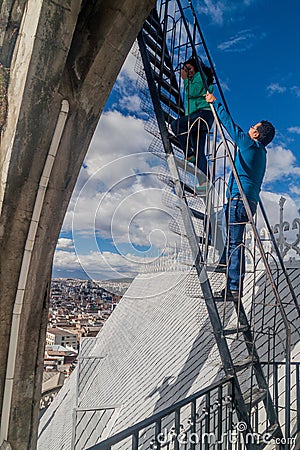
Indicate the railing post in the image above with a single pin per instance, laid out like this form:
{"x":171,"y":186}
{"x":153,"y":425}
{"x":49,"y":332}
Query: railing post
{"x":193,"y":423}
{"x":135,"y":441}
{"x":219,"y":417}
{"x":157,"y":433}
{"x":177,"y":429}
{"x":275,"y":387}
{"x":298,"y":395}
{"x":230,"y":414}
{"x":207,"y":420}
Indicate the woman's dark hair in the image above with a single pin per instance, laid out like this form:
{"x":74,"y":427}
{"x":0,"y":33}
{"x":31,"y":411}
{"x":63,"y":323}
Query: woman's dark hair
{"x":205,"y":69}
{"x":208,"y":72}
{"x":193,"y":62}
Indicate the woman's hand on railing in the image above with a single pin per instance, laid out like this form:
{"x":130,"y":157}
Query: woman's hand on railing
{"x":210,"y":98}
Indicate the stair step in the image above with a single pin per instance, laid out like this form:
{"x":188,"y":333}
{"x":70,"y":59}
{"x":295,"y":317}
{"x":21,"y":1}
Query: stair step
{"x":189,"y":168}
{"x":197,"y":214}
{"x":169,"y":182}
{"x":175,"y":228}
{"x":169,"y":87}
{"x":153,"y":27}
{"x":161,"y":71}
{"x":188,"y":188}
{"x":154,"y":38}
{"x":153,"y":45}
{"x":173,"y":139}
{"x":239,"y":329}
{"x":155,"y":60}
{"x":169,"y":117}
{"x":254,"y":397}
{"x":170,"y":104}
{"x":244,"y":363}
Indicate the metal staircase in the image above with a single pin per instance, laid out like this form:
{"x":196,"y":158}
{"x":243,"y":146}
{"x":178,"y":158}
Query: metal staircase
{"x":169,"y":36}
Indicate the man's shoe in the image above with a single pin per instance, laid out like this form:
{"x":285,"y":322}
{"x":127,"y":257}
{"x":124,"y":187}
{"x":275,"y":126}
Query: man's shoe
{"x":228,"y":295}
{"x":232,"y":295}
{"x":221,"y":268}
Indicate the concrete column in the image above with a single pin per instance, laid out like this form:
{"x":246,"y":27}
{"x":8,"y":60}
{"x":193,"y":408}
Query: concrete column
{"x":67,"y":49}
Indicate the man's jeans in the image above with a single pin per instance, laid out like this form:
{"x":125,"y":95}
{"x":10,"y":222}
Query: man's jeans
{"x":197,"y":135}
{"x":237,"y":219}
{"x":230,"y":246}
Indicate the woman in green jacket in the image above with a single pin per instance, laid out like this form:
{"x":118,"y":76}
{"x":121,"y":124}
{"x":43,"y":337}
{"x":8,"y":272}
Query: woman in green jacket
{"x":191,"y":133}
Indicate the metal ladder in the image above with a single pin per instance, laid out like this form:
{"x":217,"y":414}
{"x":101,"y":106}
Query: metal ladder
{"x":171,"y":33}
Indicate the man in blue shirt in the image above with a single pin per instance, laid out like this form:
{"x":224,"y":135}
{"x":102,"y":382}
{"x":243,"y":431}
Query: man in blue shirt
{"x":250,"y":164}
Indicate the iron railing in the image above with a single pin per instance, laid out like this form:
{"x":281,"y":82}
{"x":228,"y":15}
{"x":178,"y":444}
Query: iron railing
{"x":207,"y":419}
{"x":201,"y":419}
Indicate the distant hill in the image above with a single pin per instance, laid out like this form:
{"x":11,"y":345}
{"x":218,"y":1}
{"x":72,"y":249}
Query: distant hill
{"x":118,"y":280}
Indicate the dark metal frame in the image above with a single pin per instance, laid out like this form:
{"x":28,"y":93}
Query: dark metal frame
{"x":223,"y":416}
{"x":224,"y":409}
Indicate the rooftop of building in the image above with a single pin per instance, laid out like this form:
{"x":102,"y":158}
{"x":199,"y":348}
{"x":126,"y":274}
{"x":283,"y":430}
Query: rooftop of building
{"x":60,"y":331}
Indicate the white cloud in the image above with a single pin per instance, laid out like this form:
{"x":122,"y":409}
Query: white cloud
{"x":128,"y":69}
{"x":295,"y":190}
{"x":128,"y":97}
{"x":101,"y":265}
{"x":96,"y":264}
{"x":65,"y":243}
{"x":64,"y":260}
{"x":130,"y":102}
{"x":242,"y":41}
{"x":225,"y":86}
{"x":107,"y":166}
{"x":126,"y":215}
{"x":275,"y":88}
{"x":271,"y":204}
{"x":231,"y":44}
{"x":295,"y":130}
{"x":118,"y":195}
{"x":116,"y":135}
{"x":281,"y":164}
{"x":110,"y":265}
{"x":218,"y":11}
{"x":295,"y":90}
{"x":215,"y":10}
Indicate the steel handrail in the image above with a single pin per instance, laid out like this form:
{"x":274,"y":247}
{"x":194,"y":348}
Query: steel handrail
{"x":134,"y":429}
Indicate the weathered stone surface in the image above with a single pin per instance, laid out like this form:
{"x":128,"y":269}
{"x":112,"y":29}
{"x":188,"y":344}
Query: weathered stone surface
{"x":64,"y":50}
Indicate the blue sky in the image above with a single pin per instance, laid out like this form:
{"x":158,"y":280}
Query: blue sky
{"x":117,"y":221}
